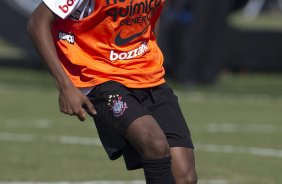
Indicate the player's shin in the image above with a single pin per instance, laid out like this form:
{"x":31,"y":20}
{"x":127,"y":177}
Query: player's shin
{"x":158,"y":171}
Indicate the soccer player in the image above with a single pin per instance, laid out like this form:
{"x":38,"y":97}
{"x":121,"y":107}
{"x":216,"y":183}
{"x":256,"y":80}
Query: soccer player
{"x":105,"y":60}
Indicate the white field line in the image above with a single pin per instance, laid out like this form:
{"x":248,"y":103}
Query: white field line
{"x":36,"y":123}
{"x":242,"y":128}
{"x":216,"y":98}
{"x":76,"y":140}
{"x":4,"y":136}
{"x":264,"y":152}
{"x":107,"y":182}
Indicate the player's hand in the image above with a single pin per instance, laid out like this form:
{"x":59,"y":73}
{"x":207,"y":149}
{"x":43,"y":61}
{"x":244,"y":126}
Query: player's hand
{"x":72,"y":101}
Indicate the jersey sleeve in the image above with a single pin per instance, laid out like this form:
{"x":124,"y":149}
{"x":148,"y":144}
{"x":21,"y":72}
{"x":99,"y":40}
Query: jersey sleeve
{"x":63,"y":8}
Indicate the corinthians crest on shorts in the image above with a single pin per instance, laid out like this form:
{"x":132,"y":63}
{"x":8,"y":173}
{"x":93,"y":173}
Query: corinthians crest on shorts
{"x":117,"y":106}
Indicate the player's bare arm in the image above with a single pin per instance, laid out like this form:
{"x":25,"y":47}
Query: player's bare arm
{"x":71,"y":99}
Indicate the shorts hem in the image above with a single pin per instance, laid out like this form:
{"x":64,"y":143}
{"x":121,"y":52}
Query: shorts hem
{"x":181,"y":144}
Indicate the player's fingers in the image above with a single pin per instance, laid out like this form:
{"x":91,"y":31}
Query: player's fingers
{"x":90,"y":107}
{"x":63,"y":106}
{"x":66,"y":108}
{"x":81,"y":115}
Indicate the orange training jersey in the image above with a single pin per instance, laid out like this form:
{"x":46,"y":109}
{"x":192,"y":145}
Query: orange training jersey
{"x":115,"y":42}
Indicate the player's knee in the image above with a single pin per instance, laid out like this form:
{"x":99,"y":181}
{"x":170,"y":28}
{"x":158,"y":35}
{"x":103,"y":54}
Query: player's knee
{"x":191,"y":179}
{"x":156,"y":148}
{"x":187,"y":178}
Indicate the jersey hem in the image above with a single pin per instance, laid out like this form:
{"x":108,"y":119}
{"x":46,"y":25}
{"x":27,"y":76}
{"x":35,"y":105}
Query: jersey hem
{"x":129,"y":85}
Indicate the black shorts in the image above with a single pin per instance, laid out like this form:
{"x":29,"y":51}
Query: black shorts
{"x":118,"y":106}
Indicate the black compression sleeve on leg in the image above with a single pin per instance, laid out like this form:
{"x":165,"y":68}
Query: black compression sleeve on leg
{"x":158,"y":171}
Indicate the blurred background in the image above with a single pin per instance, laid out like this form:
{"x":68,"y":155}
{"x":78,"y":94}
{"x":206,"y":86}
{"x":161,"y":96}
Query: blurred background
{"x":222,"y":57}
{"x":203,"y":38}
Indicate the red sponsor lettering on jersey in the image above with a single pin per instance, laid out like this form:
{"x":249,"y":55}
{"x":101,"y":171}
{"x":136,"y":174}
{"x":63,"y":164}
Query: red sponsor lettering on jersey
{"x":65,"y":7}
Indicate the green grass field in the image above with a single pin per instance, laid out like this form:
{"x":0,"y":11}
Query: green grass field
{"x":236,"y":127}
